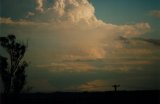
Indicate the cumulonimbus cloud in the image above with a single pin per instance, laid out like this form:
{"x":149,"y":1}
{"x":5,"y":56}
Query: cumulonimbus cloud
{"x":71,"y":25}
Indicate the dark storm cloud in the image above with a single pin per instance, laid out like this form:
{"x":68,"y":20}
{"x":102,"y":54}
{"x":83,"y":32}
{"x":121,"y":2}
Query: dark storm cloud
{"x":155,"y":42}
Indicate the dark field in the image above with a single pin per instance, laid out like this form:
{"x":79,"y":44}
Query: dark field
{"x":122,"y":97}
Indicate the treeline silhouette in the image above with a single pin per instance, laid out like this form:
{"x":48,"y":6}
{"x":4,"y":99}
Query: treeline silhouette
{"x":112,"y":97}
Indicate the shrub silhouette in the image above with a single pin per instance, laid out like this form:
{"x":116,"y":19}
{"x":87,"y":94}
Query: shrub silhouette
{"x":13,"y":70}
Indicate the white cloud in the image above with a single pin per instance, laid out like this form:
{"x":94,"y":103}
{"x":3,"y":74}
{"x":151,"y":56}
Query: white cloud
{"x":39,"y":5}
{"x":73,"y":10}
{"x":30,"y":14}
{"x":59,"y":7}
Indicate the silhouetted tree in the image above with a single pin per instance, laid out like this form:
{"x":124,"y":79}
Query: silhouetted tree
{"x":13,"y":70}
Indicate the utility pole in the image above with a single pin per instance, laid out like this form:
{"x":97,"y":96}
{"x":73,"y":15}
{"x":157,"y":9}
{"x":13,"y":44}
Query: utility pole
{"x":115,"y":87}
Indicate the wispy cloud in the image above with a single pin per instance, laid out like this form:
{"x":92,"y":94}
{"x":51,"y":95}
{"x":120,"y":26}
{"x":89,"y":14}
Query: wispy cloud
{"x":6,"y":21}
{"x":21,"y":22}
{"x":155,"y":13}
{"x":95,"y":85}
{"x":30,"y":14}
{"x":68,"y":67}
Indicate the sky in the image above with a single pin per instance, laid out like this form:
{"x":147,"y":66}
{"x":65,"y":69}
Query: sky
{"x":86,"y":45}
